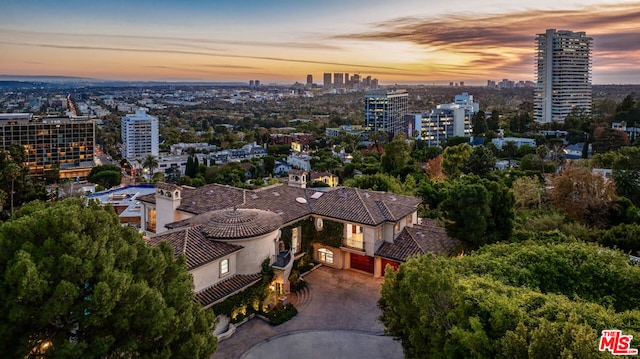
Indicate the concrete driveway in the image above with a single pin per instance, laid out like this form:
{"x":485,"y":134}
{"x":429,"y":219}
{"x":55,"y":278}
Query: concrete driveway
{"x":338,"y":320}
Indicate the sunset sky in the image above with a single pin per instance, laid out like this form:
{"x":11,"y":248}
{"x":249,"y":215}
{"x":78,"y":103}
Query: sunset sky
{"x":402,"y":41}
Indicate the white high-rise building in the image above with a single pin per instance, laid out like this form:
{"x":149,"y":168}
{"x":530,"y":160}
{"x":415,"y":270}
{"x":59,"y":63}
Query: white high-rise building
{"x":564,"y":74}
{"x":449,"y":119}
{"x":139,"y":135}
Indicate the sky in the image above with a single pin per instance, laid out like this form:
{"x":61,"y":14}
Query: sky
{"x":400,"y":41}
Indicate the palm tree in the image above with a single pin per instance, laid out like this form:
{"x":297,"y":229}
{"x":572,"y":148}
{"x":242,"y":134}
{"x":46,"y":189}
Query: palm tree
{"x":150,"y":162}
{"x":542,"y":151}
{"x":12,"y":171}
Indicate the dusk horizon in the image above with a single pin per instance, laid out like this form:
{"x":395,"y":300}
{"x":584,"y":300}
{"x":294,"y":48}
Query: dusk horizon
{"x":406,"y":42}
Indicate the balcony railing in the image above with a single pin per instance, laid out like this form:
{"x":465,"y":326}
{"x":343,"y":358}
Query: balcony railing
{"x":356,"y":241}
{"x":282,"y":259}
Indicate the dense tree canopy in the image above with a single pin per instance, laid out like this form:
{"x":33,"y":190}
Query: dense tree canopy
{"x":106,"y":176}
{"x":583,"y":195}
{"x":478,"y":211}
{"x":78,"y":285}
{"x":524,"y":300}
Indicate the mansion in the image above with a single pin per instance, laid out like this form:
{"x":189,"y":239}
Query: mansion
{"x":226,"y":233}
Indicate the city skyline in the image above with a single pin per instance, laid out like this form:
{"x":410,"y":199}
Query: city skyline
{"x":398,"y":42}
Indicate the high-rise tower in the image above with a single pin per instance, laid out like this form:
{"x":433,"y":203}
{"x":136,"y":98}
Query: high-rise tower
{"x":327,"y":81}
{"x":139,"y":135}
{"x":564,"y":74}
{"x":384,"y":110}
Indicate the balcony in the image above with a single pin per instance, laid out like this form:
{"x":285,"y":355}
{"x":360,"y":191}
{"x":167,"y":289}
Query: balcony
{"x":282,"y":259}
{"x":356,"y":241}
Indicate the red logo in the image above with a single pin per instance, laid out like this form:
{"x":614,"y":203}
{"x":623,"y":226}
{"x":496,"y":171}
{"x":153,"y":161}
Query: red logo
{"x":617,"y":343}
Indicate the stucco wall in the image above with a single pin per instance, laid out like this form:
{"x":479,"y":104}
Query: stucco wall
{"x":209,"y":274}
{"x":249,"y":260}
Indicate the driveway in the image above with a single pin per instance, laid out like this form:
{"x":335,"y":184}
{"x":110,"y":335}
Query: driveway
{"x":338,"y":319}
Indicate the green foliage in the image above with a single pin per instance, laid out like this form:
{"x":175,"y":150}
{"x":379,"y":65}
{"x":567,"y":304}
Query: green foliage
{"x":396,"y":154}
{"x":249,"y":301}
{"x":230,"y":174}
{"x":454,"y":159}
{"x":73,"y":276}
{"x":16,"y":185}
{"x":280,"y":314}
{"x":478,"y":211}
{"x":481,"y":161}
{"x":331,"y":234}
{"x":378,"y":182}
{"x":511,"y":301}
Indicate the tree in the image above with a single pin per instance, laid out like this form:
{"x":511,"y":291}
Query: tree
{"x":106,"y":175}
{"x":396,"y":154}
{"x":583,"y":195}
{"x":509,"y":149}
{"x":626,"y":172}
{"x":527,"y":192}
{"x":542,"y":151}
{"x":77,"y":284}
{"x":15,"y":181}
{"x":434,"y":169}
{"x":12,"y":172}
{"x":608,"y":139}
{"x":151,"y":163}
{"x":454,"y":158}
{"x":479,"y":123}
{"x":269,"y":164}
{"x":480,"y":162}
{"x":520,"y":300}
{"x":478,"y":211}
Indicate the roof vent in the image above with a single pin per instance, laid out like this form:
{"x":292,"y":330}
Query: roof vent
{"x":276,"y":194}
{"x":301,"y":200}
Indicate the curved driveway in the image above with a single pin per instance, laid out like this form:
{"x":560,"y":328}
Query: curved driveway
{"x":340,"y":320}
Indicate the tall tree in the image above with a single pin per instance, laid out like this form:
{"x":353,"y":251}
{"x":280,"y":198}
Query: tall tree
{"x":12,"y":173}
{"x":479,"y":123}
{"x":77,"y":284}
{"x":396,"y":154}
{"x":608,"y":139}
{"x":480,"y":162}
{"x":150,"y":162}
{"x":583,"y":195}
{"x":478,"y":211}
{"x":454,"y":158}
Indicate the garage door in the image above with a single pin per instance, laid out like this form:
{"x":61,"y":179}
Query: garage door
{"x":363,"y":263}
{"x":393,"y":264}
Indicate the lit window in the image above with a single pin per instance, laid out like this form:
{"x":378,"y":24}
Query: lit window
{"x":409,"y":219}
{"x":224,"y":267}
{"x":325,"y":255}
{"x":397,"y":227}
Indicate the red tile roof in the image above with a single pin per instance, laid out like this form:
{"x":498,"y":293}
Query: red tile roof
{"x":233,"y":223}
{"x":342,"y":203}
{"x":197,"y":249}
{"x":419,"y":240}
{"x":227,"y":287}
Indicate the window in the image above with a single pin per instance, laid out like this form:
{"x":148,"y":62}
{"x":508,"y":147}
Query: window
{"x":295,"y":240}
{"x":409,"y":219}
{"x":325,"y":255}
{"x":396,"y":229}
{"x":224,"y":267}
{"x":378,"y":233}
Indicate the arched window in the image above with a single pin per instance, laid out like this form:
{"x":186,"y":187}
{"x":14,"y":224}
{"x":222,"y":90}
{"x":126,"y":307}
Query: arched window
{"x":325,"y":255}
